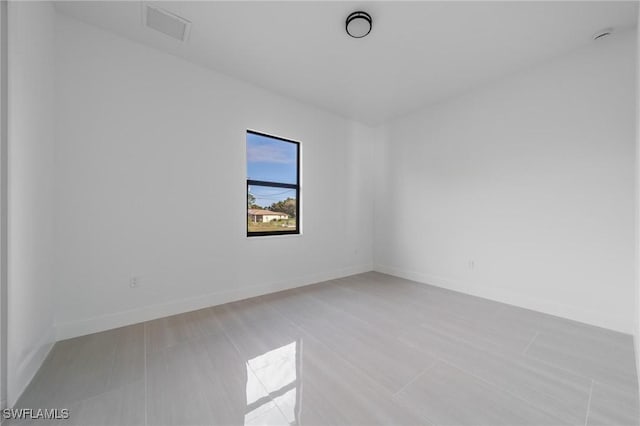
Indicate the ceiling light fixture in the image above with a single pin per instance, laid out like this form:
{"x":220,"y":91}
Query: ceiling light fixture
{"x":359,"y":24}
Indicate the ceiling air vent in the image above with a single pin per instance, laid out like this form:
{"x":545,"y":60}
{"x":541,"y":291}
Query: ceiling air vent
{"x":166,"y":22}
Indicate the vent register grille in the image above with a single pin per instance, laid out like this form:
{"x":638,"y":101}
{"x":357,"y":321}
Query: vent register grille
{"x":166,"y":22}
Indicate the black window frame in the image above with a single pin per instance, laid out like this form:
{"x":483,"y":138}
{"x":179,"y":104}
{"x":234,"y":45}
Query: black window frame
{"x":295,"y":186}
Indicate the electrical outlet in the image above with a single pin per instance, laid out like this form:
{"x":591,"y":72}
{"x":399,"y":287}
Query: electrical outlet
{"x":134,"y":282}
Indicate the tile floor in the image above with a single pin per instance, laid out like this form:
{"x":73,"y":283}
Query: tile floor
{"x":363,"y":350}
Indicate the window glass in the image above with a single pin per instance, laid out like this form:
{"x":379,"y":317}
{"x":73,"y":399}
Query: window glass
{"x":273,"y":191}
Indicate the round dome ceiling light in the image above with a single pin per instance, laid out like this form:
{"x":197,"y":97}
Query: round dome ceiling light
{"x":359,"y":24}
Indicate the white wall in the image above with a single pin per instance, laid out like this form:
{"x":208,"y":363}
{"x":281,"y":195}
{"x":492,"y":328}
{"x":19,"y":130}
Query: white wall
{"x":3,"y":203}
{"x":30,"y":211}
{"x":636,"y":336}
{"x":531,"y":178}
{"x":150,"y":181}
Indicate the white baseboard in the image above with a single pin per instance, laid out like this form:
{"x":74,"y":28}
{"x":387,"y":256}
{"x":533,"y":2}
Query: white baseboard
{"x":595,"y":318}
{"x":146,"y":313}
{"x":20,"y":378}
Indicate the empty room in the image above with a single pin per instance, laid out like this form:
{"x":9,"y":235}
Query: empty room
{"x":319,"y":213}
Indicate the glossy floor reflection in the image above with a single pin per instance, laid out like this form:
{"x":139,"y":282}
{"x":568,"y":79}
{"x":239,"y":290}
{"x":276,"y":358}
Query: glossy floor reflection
{"x":362,"y":350}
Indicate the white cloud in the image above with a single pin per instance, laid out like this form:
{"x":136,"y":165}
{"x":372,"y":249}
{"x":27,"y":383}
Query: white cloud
{"x":268,"y":154}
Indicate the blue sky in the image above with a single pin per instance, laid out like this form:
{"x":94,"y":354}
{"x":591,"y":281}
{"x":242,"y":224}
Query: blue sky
{"x":271,"y":160}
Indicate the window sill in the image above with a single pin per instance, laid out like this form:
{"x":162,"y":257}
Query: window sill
{"x":260,"y":237}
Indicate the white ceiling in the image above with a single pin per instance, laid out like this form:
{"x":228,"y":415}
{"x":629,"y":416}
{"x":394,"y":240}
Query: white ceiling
{"x":418,"y":53}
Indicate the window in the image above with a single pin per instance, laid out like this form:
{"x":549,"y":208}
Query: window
{"x":273,"y":185}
